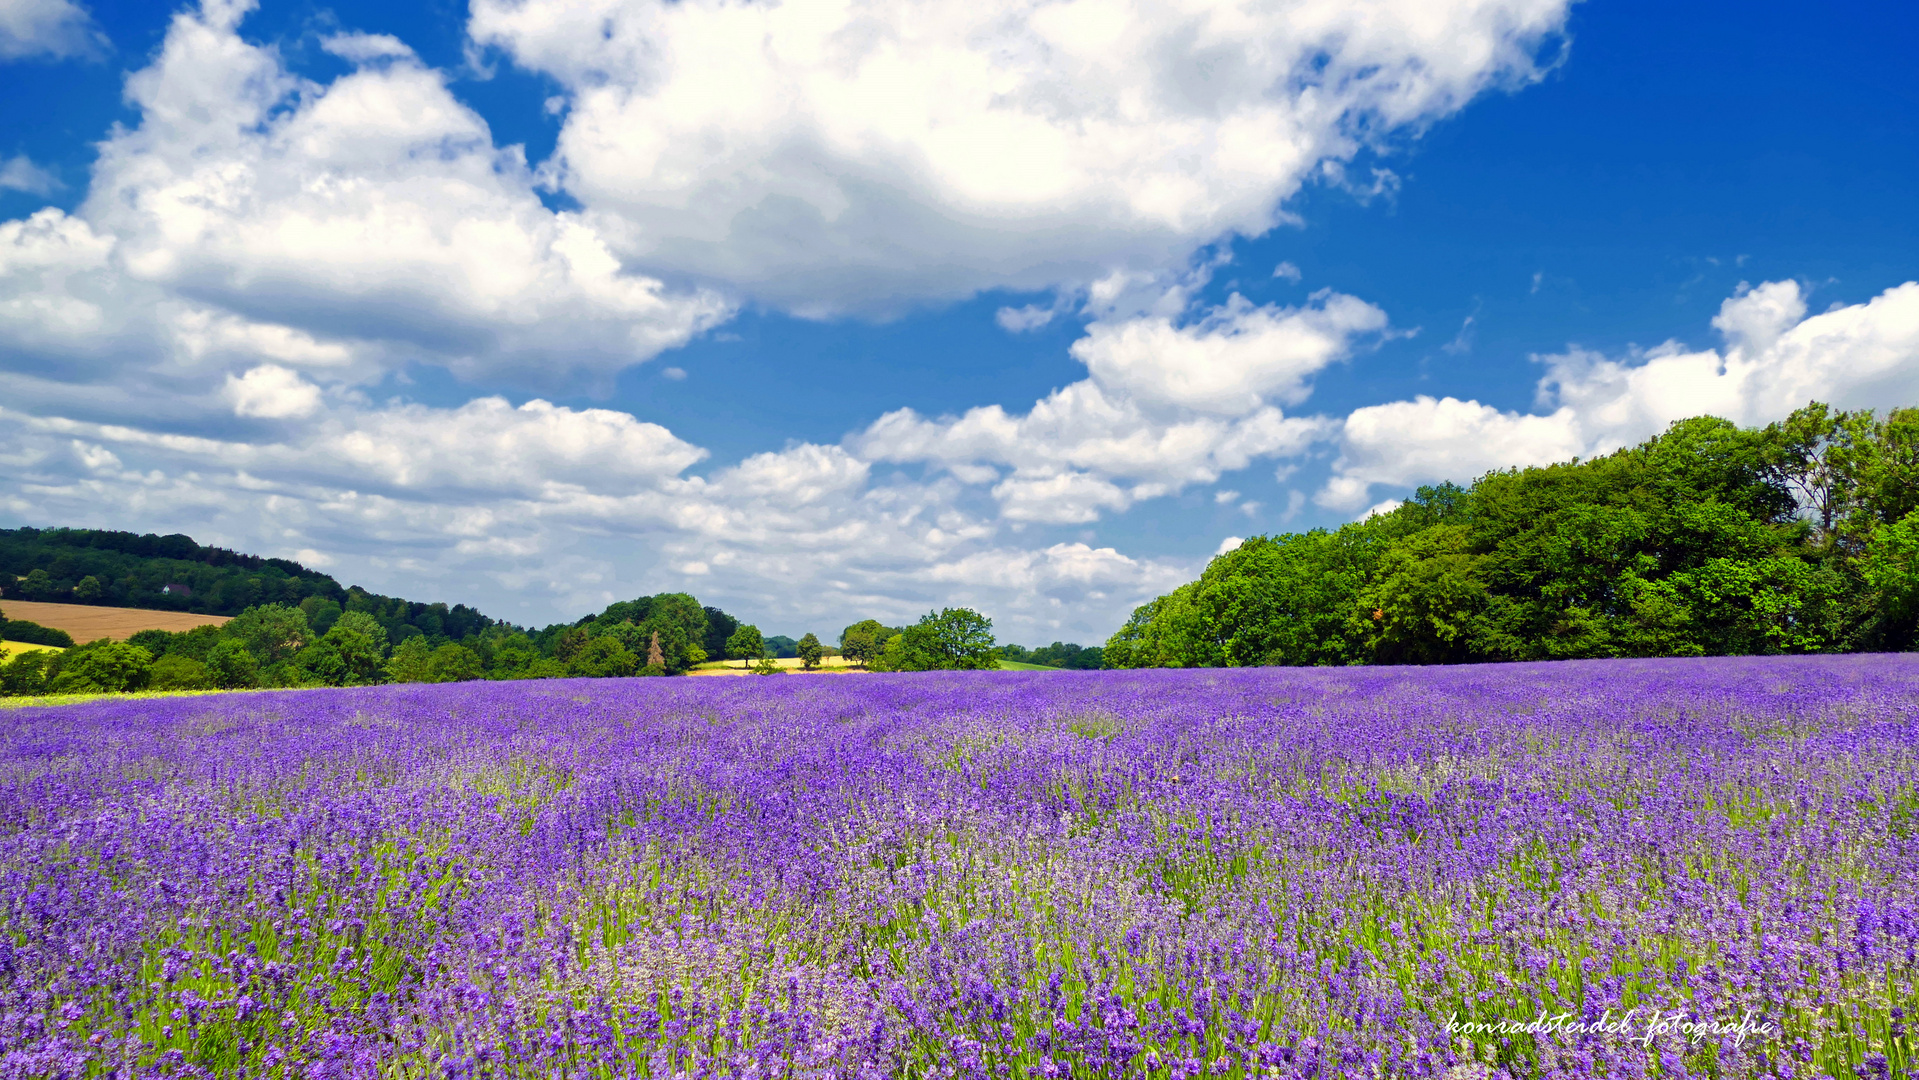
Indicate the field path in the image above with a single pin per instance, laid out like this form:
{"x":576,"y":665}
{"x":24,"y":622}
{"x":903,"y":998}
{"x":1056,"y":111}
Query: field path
{"x":89,"y":623}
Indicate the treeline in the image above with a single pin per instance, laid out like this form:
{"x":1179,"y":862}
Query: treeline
{"x":1708,"y":540}
{"x":369,"y":640}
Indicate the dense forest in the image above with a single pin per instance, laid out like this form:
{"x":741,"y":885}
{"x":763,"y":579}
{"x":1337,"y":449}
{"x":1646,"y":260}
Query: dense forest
{"x":1708,"y":540}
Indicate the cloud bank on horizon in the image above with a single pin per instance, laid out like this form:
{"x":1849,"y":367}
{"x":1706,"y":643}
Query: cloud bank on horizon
{"x":199,"y":343}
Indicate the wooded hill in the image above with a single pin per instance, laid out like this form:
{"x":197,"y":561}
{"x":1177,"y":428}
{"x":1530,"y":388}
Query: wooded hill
{"x":173,"y":573}
{"x":1708,"y":540}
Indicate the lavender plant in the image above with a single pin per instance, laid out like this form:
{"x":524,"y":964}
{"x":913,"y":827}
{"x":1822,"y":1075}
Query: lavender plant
{"x":1169,"y":874}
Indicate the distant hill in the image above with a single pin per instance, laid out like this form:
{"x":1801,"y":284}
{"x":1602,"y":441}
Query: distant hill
{"x":104,"y":568}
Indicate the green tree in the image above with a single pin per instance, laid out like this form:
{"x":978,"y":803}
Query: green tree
{"x":1890,"y":571}
{"x":271,"y":632}
{"x":91,"y":590}
{"x":102,"y":667}
{"x":862,"y":642}
{"x":603,"y":657}
{"x":746,"y":644}
{"x":321,"y":611}
{"x":411,"y":662}
{"x":1821,"y":455}
{"x":176,"y":672}
{"x":955,"y":639}
{"x":233,"y":665}
{"x":1425,"y":600}
{"x":810,"y":650}
{"x":453,"y":662}
{"x":157,"y":642}
{"x":719,"y":627}
{"x":352,"y":653}
{"x":37,"y":585}
{"x":25,"y":675}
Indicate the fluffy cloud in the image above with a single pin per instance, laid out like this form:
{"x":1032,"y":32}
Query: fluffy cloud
{"x":1171,"y":401}
{"x":1775,"y":360}
{"x":340,"y":229}
{"x":834,"y":156}
{"x":272,"y":392}
{"x":1229,"y":362}
{"x":56,"y":28}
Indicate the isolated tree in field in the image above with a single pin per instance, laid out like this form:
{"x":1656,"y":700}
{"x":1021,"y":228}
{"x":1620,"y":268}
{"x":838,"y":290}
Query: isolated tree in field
{"x":810,"y":651}
{"x":746,"y":644}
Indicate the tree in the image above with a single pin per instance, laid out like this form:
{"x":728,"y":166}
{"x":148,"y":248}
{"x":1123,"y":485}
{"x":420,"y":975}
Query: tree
{"x":1818,"y":454}
{"x":862,"y":642}
{"x":233,"y":665}
{"x":719,"y":627}
{"x":360,"y":643}
{"x":746,"y":644}
{"x":37,"y":585}
{"x":90,"y":590}
{"x":411,"y":662}
{"x":176,"y":672}
{"x":810,"y":650}
{"x":321,"y":612}
{"x":417,"y":662}
{"x":102,"y":667}
{"x":603,"y":658}
{"x":25,"y":675}
{"x":955,"y":639}
{"x":271,"y":632}
{"x":1423,"y":604}
{"x":453,"y":662}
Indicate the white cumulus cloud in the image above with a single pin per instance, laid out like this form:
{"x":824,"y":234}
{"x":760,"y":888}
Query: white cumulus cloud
{"x":834,"y":156}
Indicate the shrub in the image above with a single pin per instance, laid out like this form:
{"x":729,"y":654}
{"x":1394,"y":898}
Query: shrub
{"x":175,"y":672}
{"x":25,"y":675}
{"x":232,"y":665}
{"x":32,"y":633}
{"x":103,"y":667}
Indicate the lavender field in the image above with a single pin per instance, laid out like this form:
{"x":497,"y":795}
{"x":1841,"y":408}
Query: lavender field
{"x":1264,"y":872}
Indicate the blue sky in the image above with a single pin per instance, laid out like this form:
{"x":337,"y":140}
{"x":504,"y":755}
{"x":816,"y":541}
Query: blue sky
{"x":279,"y":278}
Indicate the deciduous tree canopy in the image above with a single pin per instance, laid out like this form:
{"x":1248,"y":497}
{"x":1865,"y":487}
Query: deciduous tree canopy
{"x":1709,"y":539}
